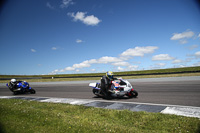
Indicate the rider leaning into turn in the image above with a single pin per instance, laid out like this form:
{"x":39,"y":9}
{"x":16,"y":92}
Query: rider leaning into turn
{"x":106,"y":82}
{"x":13,"y":84}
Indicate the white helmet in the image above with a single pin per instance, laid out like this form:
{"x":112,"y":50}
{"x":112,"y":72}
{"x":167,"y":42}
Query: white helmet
{"x":13,"y":80}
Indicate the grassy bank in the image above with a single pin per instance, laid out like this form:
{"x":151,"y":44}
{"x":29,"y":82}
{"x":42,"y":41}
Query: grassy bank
{"x":31,"y":116}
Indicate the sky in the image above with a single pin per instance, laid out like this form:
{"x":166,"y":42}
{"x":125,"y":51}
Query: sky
{"x":90,"y":36}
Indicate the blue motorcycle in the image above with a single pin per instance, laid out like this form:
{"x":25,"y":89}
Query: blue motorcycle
{"x":21,"y":87}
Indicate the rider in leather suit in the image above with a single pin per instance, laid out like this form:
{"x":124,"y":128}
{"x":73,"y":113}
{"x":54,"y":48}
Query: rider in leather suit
{"x":106,"y":82}
{"x":13,"y":85}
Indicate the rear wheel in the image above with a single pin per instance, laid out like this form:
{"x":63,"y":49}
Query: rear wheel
{"x":15,"y":93}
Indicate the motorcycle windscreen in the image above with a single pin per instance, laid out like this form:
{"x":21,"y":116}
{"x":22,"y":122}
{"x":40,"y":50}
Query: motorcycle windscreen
{"x":93,"y":85}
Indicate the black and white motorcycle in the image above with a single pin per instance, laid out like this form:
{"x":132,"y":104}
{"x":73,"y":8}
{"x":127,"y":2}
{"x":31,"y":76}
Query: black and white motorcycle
{"x":119,"y":88}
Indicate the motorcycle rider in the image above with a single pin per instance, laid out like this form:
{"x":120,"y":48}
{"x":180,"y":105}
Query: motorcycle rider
{"x":106,"y":82}
{"x":13,"y":85}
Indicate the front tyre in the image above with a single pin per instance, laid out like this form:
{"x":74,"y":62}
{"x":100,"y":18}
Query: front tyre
{"x":94,"y":91}
{"x":133,"y":93}
{"x":32,"y":91}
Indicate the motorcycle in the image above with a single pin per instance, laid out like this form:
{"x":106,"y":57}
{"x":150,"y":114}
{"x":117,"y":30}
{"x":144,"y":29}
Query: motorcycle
{"x":119,"y":88}
{"x":21,"y":88}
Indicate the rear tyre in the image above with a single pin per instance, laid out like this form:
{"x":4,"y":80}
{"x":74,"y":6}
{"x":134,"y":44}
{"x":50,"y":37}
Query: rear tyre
{"x":15,"y":93}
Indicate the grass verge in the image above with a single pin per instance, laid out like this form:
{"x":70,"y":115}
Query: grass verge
{"x":32,"y":116}
{"x":98,"y":78}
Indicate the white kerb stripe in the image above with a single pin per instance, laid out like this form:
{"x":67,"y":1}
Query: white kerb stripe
{"x":183,"y":111}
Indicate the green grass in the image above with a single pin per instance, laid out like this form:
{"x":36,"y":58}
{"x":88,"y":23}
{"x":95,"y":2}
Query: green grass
{"x":32,"y":116}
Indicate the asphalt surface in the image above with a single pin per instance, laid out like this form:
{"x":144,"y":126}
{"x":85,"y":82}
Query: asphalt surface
{"x":173,"y":91}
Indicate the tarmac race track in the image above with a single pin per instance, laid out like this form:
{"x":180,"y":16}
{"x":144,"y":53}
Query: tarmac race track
{"x":174,"y":91}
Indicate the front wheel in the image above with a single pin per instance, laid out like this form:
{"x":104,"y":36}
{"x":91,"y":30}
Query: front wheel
{"x":133,"y":93}
{"x":95,"y":91}
{"x":32,"y":91}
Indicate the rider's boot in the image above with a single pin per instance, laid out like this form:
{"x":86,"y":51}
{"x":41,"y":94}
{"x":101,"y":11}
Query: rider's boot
{"x":111,"y":91}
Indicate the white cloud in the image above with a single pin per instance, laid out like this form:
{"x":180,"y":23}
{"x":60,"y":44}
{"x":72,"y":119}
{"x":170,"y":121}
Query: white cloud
{"x":92,"y":61}
{"x":189,"y":59}
{"x":196,"y":64}
{"x":66,"y":3}
{"x":162,"y":57}
{"x":79,"y":16}
{"x":120,"y":69}
{"x":139,"y":51}
{"x":54,"y":72}
{"x":193,"y":47}
{"x":183,"y":41}
{"x":69,"y":69}
{"x":194,"y":56}
{"x":160,"y":64}
{"x":132,"y":67}
{"x":128,"y":68}
{"x":177,"y":61}
{"x":88,"y":20}
{"x":77,"y":70}
{"x":178,"y":66}
{"x":87,"y":63}
{"x":121,"y":64}
{"x":93,"y":70}
{"x":78,"y":41}
{"x":183,"y":35}
{"x":66,"y":69}
{"x":115,"y":61}
{"x":91,"y":20}
{"x":81,"y":65}
{"x":54,"y":48}
{"x":199,"y":35}
{"x":197,"y":54}
{"x":33,"y":50}
{"x":107,"y":59}
{"x":49,"y":5}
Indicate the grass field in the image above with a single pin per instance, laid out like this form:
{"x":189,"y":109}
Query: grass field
{"x":31,"y":116}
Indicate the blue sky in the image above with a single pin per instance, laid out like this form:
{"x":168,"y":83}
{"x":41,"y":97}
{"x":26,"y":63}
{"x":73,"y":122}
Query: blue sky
{"x":86,"y":36}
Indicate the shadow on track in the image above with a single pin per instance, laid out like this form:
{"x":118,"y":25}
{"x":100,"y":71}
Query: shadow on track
{"x":115,"y":98}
